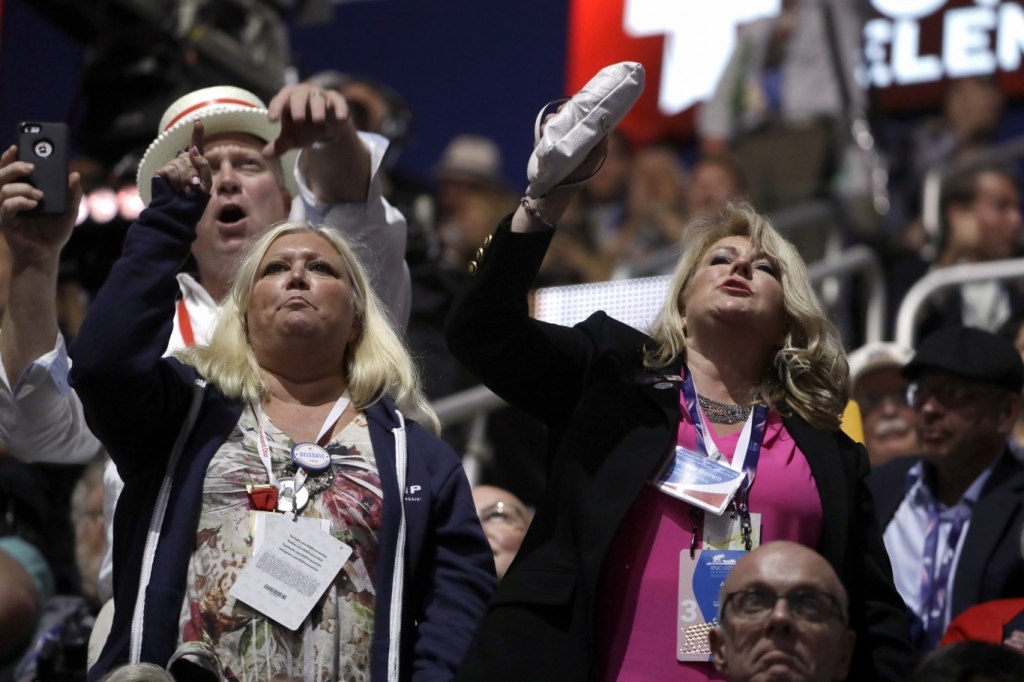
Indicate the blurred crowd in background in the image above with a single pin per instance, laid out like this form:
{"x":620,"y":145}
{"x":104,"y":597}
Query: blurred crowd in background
{"x":784,"y":130}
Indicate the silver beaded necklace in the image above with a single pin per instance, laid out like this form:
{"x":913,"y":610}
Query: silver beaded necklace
{"x":723,"y":413}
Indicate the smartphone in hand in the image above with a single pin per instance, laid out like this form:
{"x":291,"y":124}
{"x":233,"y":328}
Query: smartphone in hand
{"x":46,"y":146}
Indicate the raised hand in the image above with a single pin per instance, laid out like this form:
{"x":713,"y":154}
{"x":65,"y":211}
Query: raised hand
{"x":591,"y":163}
{"x":308,"y":114}
{"x":189,"y":170}
{"x":32,"y":240}
{"x":548,"y":209}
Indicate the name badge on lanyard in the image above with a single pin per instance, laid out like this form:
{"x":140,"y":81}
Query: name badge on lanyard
{"x":700,"y":584}
{"x":700,"y":476}
{"x":293,"y":567}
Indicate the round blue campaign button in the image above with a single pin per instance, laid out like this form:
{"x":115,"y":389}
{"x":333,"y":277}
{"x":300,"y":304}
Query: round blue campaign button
{"x":311,"y":457}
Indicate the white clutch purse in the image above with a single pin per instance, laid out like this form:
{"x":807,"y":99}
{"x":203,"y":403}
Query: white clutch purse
{"x":583,"y":122}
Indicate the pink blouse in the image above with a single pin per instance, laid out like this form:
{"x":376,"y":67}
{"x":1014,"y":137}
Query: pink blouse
{"x":637,"y":611}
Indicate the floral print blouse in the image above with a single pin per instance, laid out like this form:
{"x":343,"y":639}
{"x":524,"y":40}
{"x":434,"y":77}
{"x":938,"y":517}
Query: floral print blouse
{"x":227,"y":636}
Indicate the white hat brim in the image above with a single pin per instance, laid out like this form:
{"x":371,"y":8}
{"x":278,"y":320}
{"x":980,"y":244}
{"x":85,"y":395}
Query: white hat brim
{"x":216,"y":120}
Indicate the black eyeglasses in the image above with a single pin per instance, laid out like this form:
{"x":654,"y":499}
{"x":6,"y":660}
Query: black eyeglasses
{"x":949,"y":394}
{"x":756,"y":604}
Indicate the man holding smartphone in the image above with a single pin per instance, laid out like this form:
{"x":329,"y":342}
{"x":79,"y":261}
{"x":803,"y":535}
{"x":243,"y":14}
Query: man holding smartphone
{"x":256,"y":175}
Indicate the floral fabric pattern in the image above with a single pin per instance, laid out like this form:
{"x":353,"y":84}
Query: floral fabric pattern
{"x":334,"y":643}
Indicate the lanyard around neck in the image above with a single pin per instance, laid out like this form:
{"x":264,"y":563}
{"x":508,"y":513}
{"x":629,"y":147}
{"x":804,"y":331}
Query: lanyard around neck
{"x":261,"y":443}
{"x":748,"y":447}
{"x":937,"y":566}
{"x":185,"y":324}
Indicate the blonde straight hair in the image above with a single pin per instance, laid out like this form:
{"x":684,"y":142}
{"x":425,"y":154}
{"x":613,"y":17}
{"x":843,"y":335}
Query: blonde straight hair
{"x":376,"y":363}
{"x":808,"y":375}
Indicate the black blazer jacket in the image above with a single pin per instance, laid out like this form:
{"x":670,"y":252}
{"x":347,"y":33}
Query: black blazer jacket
{"x":609,"y":427}
{"x":990,"y":565}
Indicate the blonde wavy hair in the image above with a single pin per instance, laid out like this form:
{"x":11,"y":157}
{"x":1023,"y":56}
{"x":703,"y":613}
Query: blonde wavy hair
{"x":808,"y":375}
{"x":376,"y":363}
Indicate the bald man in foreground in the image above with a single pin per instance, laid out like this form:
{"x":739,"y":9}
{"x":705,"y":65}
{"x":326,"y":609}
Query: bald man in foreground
{"x":783,"y":618}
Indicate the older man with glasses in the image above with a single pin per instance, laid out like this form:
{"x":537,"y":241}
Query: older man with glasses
{"x":881,"y":392}
{"x":953,"y":516}
{"x":782,"y":616}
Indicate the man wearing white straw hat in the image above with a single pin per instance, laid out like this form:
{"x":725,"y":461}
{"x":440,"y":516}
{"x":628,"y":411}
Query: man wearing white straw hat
{"x":303,"y":145}
{"x":257,"y":169}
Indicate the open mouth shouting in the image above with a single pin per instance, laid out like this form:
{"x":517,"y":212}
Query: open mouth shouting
{"x":230,"y":218}
{"x":230,"y":215}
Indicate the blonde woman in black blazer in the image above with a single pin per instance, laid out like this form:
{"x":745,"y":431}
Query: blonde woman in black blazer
{"x":599,"y":388}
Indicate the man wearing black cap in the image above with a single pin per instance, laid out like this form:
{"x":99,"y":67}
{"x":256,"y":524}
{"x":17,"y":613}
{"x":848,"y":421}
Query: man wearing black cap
{"x":953,"y":517}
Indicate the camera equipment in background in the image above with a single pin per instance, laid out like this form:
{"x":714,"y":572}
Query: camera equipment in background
{"x":143,"y":54}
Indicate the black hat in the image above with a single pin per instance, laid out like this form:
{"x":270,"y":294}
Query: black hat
{"x":970,"y":353}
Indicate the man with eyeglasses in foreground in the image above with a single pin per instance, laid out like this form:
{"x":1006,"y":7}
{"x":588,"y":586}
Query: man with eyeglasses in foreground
{"x":953,"y":516}
{"x":782,"y":617}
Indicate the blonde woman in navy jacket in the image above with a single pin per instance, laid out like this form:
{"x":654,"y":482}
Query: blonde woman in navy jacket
{"x":301,"y":329}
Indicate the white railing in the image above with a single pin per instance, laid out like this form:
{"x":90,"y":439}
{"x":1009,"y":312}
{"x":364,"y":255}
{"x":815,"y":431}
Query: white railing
{"x":473,"y":403}
{"x":945,"y":278}
{"x":858,"y":259}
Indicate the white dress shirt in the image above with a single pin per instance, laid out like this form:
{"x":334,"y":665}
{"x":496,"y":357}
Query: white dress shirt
{"x":905,"y":535}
